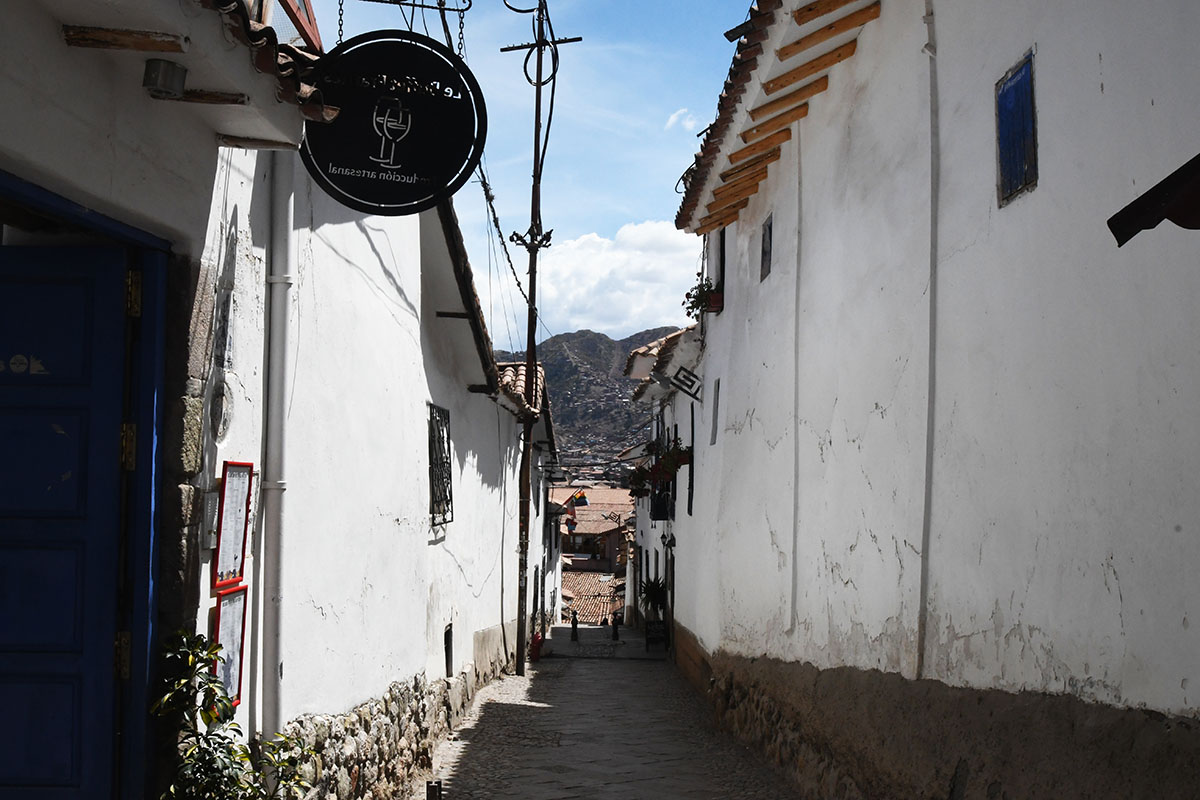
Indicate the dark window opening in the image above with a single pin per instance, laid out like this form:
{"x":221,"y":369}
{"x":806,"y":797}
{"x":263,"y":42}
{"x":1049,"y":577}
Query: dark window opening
{"x":765,"y":270}
{"x":716,"y":410}
{"x":1016,"y":131}
{"x":692,"y":461}
{"x":441,"y":507}
{"x":721,"y":261}
{"x":448,"y":644}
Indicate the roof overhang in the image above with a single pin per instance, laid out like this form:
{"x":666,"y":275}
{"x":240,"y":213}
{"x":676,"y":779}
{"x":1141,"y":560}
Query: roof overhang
{"x":240,"y":81}
{"x":675,"y":358}
{"x":782,"y":61}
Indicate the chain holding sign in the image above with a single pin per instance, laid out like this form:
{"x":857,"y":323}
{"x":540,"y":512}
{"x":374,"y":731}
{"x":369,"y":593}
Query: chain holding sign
{"x":410,"y":129}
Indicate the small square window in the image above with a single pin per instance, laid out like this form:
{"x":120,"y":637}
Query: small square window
{"x":765,"y":270}
{"x":1016,"y":131}
{"x":441,"y":506}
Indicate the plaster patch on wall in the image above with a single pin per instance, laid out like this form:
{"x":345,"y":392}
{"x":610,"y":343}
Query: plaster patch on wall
{"x":1014,"y":656}
{"x":892,"y":648}
{"x":781,"y":557}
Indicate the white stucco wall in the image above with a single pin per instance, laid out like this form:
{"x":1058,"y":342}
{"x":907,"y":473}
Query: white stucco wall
{"x":80,"y":124}
{"x":369,"y":586}
{"x":1064,"y":508}
{"x":850,"y":426}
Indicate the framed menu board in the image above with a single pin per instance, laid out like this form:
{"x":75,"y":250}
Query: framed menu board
{"x":231,"y":635}
{"x":233,"y":522}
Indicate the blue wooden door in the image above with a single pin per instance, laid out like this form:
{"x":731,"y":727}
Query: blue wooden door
{"x":62,"y":378}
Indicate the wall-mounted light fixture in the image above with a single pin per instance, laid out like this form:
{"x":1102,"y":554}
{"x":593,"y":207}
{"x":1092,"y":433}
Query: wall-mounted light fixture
{"x":164,"y":79}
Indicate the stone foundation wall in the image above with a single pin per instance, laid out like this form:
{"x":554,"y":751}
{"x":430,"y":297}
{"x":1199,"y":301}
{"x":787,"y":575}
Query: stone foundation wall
{"x":851,"y":733}
{"x":382,"y":748}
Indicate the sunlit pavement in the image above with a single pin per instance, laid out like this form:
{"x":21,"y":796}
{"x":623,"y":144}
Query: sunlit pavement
{"x":598,"y":727}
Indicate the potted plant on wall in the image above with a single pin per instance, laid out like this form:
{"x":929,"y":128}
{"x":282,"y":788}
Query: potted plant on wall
{"x":703,"y":297}
{"x":669,"y":456}
{"x":639,"y":481}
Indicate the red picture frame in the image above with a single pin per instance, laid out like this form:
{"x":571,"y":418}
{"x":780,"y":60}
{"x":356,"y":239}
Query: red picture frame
{"x":233,"y":524}
{"x":230,"y":632}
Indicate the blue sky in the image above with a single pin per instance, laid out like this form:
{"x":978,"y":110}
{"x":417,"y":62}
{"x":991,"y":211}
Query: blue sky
{"x":631,"y":98}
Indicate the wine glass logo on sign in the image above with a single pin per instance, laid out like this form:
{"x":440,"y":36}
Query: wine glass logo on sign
{"x":392,"y":122}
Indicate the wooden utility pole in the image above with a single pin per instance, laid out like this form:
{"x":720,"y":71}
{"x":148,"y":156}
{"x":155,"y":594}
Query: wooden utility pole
{"x":534,"y":240}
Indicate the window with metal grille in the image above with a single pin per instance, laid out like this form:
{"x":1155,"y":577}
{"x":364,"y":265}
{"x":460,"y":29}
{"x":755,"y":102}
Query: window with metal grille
{"x":441,"y":507}
{"x":1016,"y":131}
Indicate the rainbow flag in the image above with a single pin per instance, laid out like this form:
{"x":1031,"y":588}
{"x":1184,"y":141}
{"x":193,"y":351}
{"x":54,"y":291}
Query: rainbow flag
{"x":580,"y":498}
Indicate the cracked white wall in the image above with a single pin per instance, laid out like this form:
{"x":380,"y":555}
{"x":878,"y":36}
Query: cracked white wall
{"x":1063,"y":510}
{"x":1065,"y":515}
{"x":837,"y":399}
{"x":369,"y":585}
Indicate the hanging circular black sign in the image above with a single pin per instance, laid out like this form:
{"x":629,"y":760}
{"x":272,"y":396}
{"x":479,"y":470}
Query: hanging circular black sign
{"x":410,"y":128}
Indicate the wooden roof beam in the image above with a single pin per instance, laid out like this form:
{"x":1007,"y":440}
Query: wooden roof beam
{"x":775,"y":123}
{"x":807,"y":70}
{"x":123,"y":39}
{"x":726,"y":190}
{"x":835,"y":28}
{"x":717,"y":224}
{"x":733,"y":209}
{"x":818,"y":9}
{"x":717,"y":206}
{"x":804,"y":93}
{"x":761,"y":160}
{"x":761,"y":146}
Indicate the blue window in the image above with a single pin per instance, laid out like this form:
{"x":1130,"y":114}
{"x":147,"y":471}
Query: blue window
{"x":1016,"y":131}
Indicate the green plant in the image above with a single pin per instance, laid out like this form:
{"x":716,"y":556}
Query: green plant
{"x":639,"y":481}
{"x":214,"y":764}
{"x":702,"y":297}
{"x":672,"y":456}
{"x":654,"y":596}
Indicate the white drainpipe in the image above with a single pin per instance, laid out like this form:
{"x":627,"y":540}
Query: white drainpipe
{"x":935,"y":168}
{"x":279,"y":280}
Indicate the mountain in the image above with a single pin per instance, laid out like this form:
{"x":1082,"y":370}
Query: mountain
{"x":594,"y":419}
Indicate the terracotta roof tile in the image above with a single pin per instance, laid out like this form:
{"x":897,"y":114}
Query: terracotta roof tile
{"x":594,"y":595}
{"x":512,"y":386}
{"x":288,"y":64}
{"x":762,"y":16}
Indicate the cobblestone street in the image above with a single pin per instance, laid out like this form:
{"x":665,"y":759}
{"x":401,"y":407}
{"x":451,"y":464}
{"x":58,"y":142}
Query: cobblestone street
{"x":598,"y":727}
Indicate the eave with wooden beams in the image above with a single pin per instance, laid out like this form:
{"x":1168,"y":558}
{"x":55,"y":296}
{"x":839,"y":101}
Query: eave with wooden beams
{"x":235,"y":74}
{"x":783,"y":60}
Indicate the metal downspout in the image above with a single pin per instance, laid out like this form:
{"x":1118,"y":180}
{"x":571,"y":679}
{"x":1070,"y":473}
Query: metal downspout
{"x":279,"y":282}
{"x":930,"y":49}
{"x":793,"y":619}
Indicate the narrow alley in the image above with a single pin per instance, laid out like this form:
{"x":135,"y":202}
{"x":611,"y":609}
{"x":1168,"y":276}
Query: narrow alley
{"x":598,"y":720}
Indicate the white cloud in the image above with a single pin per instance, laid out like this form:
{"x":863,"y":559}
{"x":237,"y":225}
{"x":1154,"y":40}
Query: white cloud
{"x":618,"y":286}
{"x":686,"y":121}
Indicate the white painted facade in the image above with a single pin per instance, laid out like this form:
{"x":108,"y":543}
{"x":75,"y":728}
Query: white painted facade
{"x":369,"y":583}
{"x":1057,"y":516}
